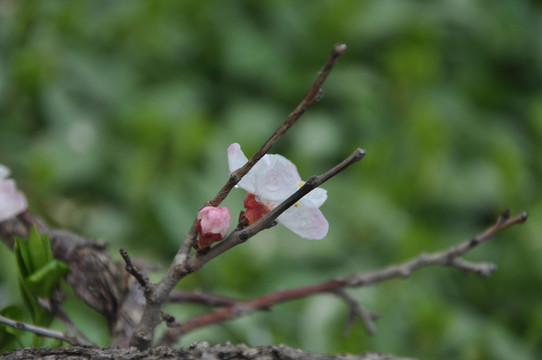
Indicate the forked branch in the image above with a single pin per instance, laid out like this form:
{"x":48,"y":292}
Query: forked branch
{"x":448,"y":257}
{"x":183,"y":263}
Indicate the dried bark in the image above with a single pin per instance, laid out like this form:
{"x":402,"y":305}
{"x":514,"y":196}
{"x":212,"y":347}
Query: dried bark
{"x":196,"y":351}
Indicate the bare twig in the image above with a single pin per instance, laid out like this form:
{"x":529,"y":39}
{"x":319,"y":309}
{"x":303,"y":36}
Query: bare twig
{"x":357,"y":310}
{"x":448,"y":257}
{"x":53,"y":305}
{"x":157,"y":295}
{"x":143,"y":281}
{"x":70,"y":339}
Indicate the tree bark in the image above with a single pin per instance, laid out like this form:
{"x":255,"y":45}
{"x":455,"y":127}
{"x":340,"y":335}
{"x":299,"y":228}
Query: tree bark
{"x":196,"y":351}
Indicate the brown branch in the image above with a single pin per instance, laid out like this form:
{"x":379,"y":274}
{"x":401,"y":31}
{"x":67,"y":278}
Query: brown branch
{"x":44,"y":332}
{"x":143,"y":334}
{"x":197,"y":297}
{"x":446,"y":257}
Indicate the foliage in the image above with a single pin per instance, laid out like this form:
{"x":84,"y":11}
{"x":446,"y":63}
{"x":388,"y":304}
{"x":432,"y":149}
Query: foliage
{"x":38,"y":275}
{"x":116,"y":116}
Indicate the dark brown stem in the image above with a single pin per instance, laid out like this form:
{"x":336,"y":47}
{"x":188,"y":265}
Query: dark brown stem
{"x":134,"y":271}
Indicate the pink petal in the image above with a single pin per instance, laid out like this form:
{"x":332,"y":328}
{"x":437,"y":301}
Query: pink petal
{"x":214,"y":220}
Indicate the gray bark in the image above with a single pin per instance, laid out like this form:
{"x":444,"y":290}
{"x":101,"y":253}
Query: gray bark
{"x":196,"y":351}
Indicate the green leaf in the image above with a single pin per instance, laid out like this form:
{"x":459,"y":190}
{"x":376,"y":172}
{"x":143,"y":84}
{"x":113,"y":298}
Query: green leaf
{"x":39,"y":273}
{"x":22,"y":257}
{"x":43,"y":281}
{"x":39,"y":249}
{"x":10,"y":336}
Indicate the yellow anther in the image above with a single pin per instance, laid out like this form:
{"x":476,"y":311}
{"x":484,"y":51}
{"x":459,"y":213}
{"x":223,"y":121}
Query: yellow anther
{"x":297,"y":204}
{"x":300,"y":184}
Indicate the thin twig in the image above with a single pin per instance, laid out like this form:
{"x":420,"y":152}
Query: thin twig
{"x":143,"y":281}
{"x":70,"y":339}
{"x":357,"y":310}
{"x":445,"y":258}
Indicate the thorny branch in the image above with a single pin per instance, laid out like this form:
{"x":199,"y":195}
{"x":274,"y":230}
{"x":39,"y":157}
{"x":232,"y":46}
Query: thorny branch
{"x":448,"y":257}
{"x":184,"y":264}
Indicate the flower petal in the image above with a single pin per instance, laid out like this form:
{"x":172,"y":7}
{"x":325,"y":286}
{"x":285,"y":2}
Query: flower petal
{"x":276,"y":179}
{"x":236,"y":160}
{"x":12,"y":201}
{"x":307,"y":222}
{"x":4,"y":172}
{"x":315,"y":198}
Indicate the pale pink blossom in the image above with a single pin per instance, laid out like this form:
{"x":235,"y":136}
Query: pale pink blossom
{"x":12,"y":201}
{"x":213,"y":225}
{"x":271,"y":181}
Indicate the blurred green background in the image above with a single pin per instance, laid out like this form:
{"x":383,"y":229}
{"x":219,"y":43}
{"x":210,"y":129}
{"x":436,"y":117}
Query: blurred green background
{"x":115,"y":117}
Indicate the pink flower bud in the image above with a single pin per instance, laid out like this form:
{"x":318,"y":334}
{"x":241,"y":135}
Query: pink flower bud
{"x":12,"y":201}
{"x":213,"y":225}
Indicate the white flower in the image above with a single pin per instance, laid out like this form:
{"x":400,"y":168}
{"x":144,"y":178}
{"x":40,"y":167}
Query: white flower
{"x":271,"y":181}
{"x":12,"y":201}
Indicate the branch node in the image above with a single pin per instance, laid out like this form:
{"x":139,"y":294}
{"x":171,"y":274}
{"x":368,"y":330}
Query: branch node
{"x":244,"y":235}
{"x":504,"y":216}
{"x":319,"y":95}
{"x":169,"y":319}
{"x":338,"y":49}
{"x":234,"y":178}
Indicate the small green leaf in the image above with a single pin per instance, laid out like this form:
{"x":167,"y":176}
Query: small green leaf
{"x":22,"y":257}
{"x":43,"y":281}
{"x":39,"y":250}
